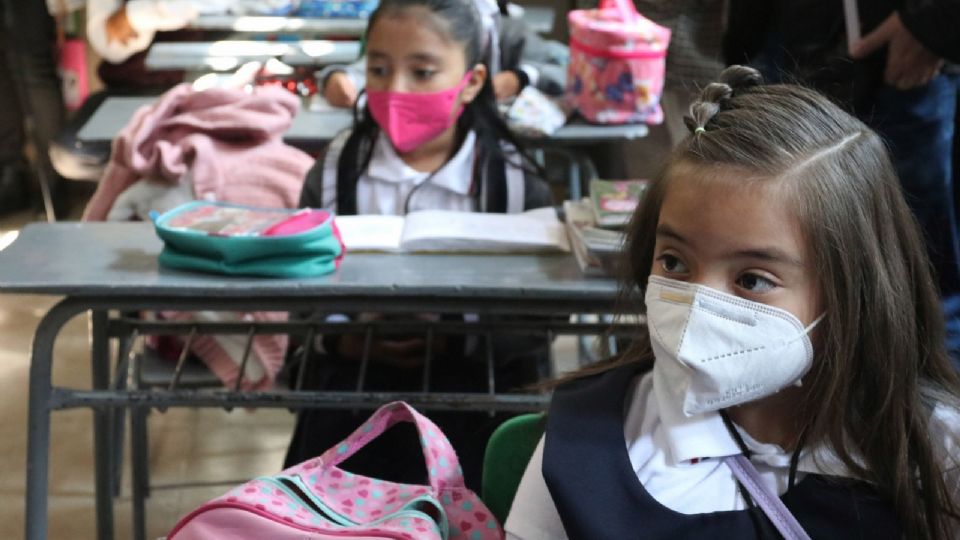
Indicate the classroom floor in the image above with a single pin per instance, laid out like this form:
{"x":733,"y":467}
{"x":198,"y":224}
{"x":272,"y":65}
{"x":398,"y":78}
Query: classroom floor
{"x":185,"y":445}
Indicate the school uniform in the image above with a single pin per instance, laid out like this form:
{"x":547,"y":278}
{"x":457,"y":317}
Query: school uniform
{"x":469,"y":181}
{"x":387,"y":183}
{"x":620,"y":460}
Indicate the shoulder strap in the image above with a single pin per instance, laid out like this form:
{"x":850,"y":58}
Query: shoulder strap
{"x":768,"y":501}
{"x":502,"y":184}
{"x":516,"y":180}
{"x":343,"y":166}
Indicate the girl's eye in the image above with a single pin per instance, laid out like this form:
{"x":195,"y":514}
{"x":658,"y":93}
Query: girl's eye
{"x":376,"y":71}
{"x":424,"y":74}
{"x":755,"y":283}
{"x":672,"y":265}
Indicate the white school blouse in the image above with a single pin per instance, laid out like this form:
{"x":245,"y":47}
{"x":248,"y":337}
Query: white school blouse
{"x":676,"y":461}
{"x":387,"y":183}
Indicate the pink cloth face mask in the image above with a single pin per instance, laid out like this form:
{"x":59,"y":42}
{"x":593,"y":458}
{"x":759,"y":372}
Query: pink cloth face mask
{"x":413,"y":118}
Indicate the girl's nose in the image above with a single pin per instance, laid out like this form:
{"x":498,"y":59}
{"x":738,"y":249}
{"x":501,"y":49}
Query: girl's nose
{"x":396,"y":83}
{"x":716,"y":282}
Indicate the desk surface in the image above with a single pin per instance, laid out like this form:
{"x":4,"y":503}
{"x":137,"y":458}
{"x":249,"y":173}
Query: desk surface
{"x":321,"y":126}
{"x":120,"y":260}
{"x":308,"y":126}
{"x":539,"y":19}
{"x":227,"y":55}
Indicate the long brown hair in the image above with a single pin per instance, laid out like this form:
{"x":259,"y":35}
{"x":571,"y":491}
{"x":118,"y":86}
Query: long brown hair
{"x":881,"y":365}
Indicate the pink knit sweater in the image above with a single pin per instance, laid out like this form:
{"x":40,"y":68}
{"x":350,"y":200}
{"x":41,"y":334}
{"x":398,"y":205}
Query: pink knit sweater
{"x":229,"y":144}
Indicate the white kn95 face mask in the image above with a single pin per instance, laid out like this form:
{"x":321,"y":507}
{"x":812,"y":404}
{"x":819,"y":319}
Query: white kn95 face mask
{"x":715,"y":350}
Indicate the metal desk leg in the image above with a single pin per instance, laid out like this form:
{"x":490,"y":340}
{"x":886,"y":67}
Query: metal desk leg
{"x":141,"y":471}
{"x":100,"y":362}
{"x":38,"y":433}
{"x":38,"y":424}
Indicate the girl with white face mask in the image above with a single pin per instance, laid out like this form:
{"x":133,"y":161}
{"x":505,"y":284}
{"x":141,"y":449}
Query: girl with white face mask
{"x":791,"y":378}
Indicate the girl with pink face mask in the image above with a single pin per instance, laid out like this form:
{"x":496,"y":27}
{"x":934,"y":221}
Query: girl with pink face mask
{"x":430,"y":138}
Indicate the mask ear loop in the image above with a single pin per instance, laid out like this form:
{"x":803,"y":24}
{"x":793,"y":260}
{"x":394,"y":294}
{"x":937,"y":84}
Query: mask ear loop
{"x":814,"y":323}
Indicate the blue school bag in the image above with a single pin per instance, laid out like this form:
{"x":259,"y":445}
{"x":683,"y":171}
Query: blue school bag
{"x":239,"y":240}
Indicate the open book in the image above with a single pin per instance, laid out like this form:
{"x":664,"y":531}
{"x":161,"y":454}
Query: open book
{"x":534,"y":231}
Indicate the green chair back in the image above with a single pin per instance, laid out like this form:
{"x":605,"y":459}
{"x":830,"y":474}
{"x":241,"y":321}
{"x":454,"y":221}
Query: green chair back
{"x":505,"y":461}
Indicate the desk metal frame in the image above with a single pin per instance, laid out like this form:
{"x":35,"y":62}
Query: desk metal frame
{"x":121,"y":279}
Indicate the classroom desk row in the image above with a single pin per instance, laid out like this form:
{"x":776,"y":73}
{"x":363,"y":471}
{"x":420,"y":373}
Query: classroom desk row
{"x":317,"y":127}
{"x":539,"y":19}
{"x":106,"y":269}
{"x":313,"y":129}
{"x":228,"y":55}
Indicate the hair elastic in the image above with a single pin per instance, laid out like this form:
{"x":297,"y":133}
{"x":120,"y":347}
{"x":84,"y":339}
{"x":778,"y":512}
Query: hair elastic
{"x":699,"y":130}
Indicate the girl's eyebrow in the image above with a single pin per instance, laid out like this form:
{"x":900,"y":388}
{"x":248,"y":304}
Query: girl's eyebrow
{"x":668,"y":232}
{"x":424,"y":57}
{"x":769,"y":254}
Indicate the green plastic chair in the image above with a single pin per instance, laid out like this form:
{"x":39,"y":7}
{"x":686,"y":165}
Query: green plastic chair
{"x":505,"y":460}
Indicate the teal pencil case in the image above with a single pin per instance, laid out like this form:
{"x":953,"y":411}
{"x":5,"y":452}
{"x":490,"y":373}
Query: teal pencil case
{"x":240,"y":240}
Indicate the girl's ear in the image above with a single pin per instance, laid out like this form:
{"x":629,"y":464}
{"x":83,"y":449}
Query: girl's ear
{"x":474,"y":85}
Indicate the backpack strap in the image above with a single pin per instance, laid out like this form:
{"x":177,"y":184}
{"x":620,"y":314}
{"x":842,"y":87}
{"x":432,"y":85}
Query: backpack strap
{"x":331,"y":160}
{"x":343,"y":165}
{"x":516,"y":183}
{"x":502,"y":184}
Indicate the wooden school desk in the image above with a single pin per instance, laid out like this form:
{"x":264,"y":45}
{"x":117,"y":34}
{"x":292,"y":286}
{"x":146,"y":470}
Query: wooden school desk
{"x":107,"y":269}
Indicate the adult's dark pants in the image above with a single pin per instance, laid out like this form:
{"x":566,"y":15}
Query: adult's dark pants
{"x":29,"y":85}
{"x":919,"y":126}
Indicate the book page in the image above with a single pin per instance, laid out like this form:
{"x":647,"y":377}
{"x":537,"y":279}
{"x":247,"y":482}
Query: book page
{"x":531,"y":232}
{"x":371,"y":232}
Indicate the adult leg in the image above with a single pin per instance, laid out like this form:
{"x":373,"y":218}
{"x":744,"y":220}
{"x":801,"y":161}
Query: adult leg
{"x":11,"y":131}
{"x":33,"y":60}
{"x":918,"y":124}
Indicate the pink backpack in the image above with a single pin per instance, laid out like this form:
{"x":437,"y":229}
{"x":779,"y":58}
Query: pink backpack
{"x":316,"y":500}
{"x":617,"y":64}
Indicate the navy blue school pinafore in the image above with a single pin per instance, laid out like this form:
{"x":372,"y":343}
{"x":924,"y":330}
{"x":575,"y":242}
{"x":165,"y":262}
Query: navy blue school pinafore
{"x":587,"y":469}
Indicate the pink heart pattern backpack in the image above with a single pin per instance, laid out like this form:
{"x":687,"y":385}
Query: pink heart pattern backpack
{"x":316,"y":500}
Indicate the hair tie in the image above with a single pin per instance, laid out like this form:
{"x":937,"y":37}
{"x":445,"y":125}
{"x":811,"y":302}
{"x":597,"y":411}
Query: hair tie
{"x":699,"y":130}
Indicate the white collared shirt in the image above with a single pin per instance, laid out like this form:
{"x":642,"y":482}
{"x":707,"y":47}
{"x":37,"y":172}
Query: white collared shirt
{"x":677,"y":461}
{"x":388,"y":182}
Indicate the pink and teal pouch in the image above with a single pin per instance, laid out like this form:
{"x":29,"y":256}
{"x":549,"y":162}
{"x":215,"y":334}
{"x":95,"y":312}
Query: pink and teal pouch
{"x":317,"y":500}
{"x":230,"y":239}
{"x":617,"y":64}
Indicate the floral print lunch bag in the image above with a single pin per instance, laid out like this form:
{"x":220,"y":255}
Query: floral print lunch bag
{"x":617,"y":64}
